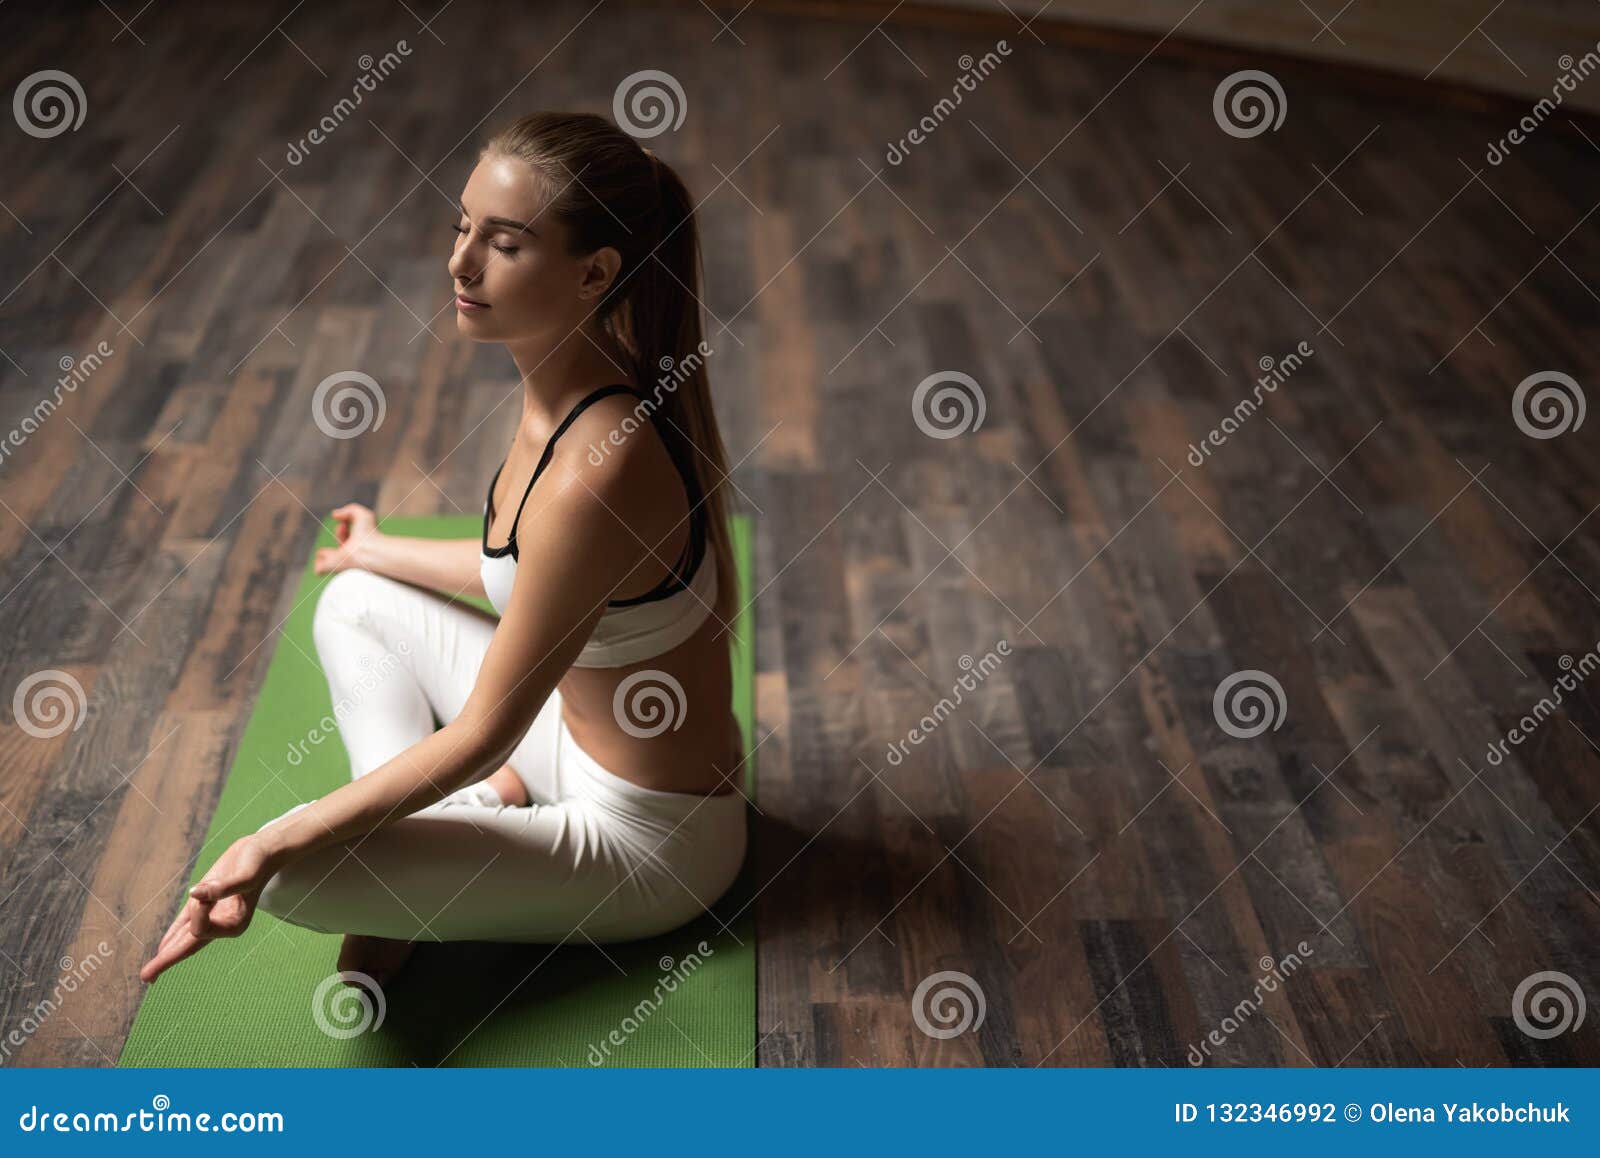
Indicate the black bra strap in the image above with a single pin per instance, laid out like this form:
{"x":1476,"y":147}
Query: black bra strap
{"x":694,"y":548}
{"x":549,"y":447}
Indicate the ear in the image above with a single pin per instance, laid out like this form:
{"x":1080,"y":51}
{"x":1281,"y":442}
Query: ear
{"x":599,"y":270}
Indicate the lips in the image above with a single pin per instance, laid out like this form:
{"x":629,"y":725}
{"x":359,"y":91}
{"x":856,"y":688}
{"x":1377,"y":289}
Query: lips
{"x":464,"y":299}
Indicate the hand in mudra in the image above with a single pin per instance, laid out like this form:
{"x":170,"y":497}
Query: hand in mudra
{"x":356,"y":528}
{"x":221,"y":905}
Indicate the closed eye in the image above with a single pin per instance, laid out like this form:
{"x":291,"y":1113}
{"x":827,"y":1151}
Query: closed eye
{"x":508,"y":250}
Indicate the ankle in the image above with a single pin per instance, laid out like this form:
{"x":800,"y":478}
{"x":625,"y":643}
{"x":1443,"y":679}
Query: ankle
{"x":509,"y":785}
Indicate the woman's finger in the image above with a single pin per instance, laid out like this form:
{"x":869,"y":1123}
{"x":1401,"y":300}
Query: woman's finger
{"x":218,"y":885}
{"x":183,"y":945}
{"x":230,"y":916}
{"x":197,"y":920}
{"x":179,"y":923}
{"x":172,"y":950}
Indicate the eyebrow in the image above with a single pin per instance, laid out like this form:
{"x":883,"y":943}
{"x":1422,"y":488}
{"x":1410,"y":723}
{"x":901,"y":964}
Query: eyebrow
{"x":514,"y":226}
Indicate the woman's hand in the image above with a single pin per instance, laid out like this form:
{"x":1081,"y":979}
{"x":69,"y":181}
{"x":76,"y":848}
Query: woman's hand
{"x":356,"y":528}
{"x":221,"y":905}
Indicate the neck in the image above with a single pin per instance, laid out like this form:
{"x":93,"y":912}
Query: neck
{"x":555,"y":370}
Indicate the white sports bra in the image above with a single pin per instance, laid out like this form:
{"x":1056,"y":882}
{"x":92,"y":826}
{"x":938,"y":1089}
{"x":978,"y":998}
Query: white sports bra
{"x":634,"y":629}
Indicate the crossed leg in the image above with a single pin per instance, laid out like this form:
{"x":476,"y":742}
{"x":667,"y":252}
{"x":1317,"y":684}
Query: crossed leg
{"x":397,"y":658}
{"x":587,"y":857}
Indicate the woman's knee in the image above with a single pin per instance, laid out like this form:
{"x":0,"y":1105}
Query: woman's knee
{"x":353,"y":600}
{"x":290,"y":896}
{"x":288,"y":891}
{"x":347,"y":597}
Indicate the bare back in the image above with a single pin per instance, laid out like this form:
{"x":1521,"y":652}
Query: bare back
{"x":702,"y":754}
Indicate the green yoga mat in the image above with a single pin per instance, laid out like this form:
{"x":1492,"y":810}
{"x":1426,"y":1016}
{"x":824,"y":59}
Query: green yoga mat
{"x":254,"y":1001}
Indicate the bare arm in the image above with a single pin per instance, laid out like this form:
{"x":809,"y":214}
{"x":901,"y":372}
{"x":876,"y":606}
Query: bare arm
{"x":447,"y":565}
{"x":574,"y":555}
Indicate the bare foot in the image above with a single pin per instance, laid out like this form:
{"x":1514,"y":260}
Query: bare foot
{"x":509,"y":785}
{"x":378,"y":957}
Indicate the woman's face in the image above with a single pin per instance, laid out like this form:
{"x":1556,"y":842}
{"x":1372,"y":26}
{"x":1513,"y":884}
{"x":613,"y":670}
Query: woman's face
{"x":513,"y":259}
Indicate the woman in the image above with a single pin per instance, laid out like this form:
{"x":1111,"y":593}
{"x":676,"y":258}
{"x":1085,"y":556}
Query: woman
{"x":582,"y":780}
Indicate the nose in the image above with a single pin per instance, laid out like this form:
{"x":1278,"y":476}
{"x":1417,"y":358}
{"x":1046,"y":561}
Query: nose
{"x":462,"y":269}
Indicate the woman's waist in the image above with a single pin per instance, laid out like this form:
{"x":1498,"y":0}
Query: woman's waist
{"x":655,"y":733}
{"x":678,"y":772}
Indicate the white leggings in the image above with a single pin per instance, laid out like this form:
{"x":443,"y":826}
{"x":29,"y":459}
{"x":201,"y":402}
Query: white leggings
{"x":592,"y":854}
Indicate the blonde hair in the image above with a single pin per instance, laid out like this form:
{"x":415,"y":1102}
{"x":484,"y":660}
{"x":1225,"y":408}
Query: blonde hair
{"x":606,"y":189}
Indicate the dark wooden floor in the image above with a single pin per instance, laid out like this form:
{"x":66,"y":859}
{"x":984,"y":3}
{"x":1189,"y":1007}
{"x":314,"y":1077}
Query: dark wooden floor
{"x":1081,"y":838}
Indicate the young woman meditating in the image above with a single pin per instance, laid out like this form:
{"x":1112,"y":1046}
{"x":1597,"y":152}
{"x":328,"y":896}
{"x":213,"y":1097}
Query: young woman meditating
{"x":581,"y":780}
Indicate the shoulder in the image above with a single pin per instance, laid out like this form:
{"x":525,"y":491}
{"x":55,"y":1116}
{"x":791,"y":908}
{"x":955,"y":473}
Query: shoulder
{"x":610,"y":459}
